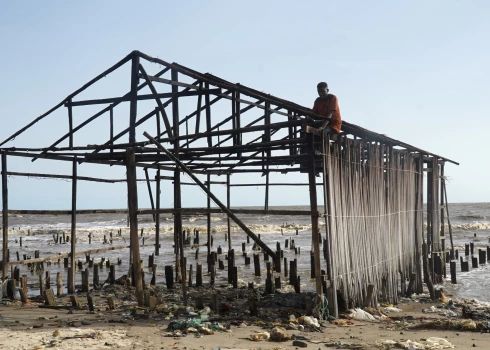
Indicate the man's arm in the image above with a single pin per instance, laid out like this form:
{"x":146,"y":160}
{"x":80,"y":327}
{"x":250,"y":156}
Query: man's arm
{"x":325,"y":122}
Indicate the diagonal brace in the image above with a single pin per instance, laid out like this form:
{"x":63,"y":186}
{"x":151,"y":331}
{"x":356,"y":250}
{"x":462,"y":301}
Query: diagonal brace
{"x":213,"y":197}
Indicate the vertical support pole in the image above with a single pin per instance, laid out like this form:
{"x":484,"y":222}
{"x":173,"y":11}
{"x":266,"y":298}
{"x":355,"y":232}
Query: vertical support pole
{"x":133,"y":103}
{"x":419,"y":222}
{"x":442,"y":236}
{"x":237,"y":122}
{"x":266,"y":205}
{"x":157,"y":216}
{"x":133,"y":222}
{"x":208,"y":116}
{"x":5,"y":216}
{"x":177,"y":188}
{"x":73,"y":238}
{"x":209,"y":214}
{"x":228,"y":203}
{"x":199,"y":104}
{"x":314,"y":217}
{"x":70,"y":124}
{"x":111,"y":128}
{"x":150,"y":192}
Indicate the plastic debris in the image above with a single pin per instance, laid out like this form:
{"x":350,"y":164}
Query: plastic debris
{"x":392,"y":309}
{"x":361,"y":315}
{"x":309,"y":320}
{"x":431,"y":343}
{"x":260,"y":336}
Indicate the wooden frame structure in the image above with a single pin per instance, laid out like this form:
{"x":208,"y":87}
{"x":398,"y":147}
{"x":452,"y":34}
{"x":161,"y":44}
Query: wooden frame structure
{"x":202,"y":142}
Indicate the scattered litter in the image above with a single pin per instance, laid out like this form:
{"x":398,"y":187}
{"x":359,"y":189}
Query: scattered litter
{"x":392,"y":309}
{"x":431,"y":343}
{"x":279,"y":334}
{"x":309,"y":320}
{"x":361,"y":315}
{"x":260,"y":336}
{"x":343,"y":323}
{"x":463,"y":325}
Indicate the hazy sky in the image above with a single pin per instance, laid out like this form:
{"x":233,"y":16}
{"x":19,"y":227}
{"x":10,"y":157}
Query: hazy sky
{"x":417,"y":71}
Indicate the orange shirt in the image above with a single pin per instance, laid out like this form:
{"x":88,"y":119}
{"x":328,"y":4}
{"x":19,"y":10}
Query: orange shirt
{"x":324,"y":106}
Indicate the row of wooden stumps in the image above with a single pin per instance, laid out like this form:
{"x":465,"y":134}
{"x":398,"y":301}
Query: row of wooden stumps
{"x":481,"y":259}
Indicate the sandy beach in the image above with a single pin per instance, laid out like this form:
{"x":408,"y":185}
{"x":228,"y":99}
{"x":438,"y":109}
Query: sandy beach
{"x":130,"y":327}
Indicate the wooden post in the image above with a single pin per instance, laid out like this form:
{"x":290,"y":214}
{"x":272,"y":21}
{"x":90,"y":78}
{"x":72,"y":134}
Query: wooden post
{"x":228,"y":203}
{"x":73,"y":238}
{"x":59,"y":284}
{"x":157,"y":216}
{"x":112,"y":275}
{"x":452,"y":268}
{"x":5,"y":216}
{"x":209,"y":214}
{"x":70,"y":123}
{"x":48,"y":279}
{"x":96,"y":277}
{"x":314,"y":218}
{"x":133,"y":103}
{"x":41,"y":285}
{"x":169,"y":276}
{"x":199,"y":275}
{"x":150,"y":193}
{"x":133,"y":222}
{"x":85,"y":287}
{"x":266,"y":204}
{"x":257,"y":264}
{"x":190,"y":276}
{"x":90,"y":303}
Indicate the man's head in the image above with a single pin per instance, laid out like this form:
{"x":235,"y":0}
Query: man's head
{"x":322,"y":89}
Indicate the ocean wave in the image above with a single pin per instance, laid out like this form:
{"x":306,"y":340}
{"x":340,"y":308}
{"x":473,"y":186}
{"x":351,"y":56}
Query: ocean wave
{"x":471,"y":226}
{"x":470,"y":217}
{"x":99,"y":232}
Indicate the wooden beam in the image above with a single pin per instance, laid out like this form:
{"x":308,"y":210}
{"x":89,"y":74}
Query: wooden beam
{"x":159,"y":102}
{"x":228,"y":205}
{"x":68,"y":177}
{"x":189,"y":211}
{"x":133,"y":223}
{"x":157,"y":215}
{"x":213,"y":197}
{"x":5,"y":216}
{"x":150,"y":192}
{"x":73,"y":238}
{"x":198,"y":110}
{"x":237,"y":131}
{"x":208,"y":183}
{"x":133,"y":103}
{"x":70,"y":126}
{"x":314,"y":222}
{"x":67,"y":212}
{"x":126,"y":98}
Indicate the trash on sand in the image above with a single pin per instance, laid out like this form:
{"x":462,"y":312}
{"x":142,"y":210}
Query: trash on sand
{"x":431,"y":343}
{"x":343,"y":323}
{"x":260,"y":336}
{"x":463,"y":325}
{"x":392,"y":309}
{"x":361,"y":315}
{"x":309,"y":320}
{"x":279,"y":334}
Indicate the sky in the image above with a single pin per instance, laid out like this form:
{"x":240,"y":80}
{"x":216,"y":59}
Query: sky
{"x":416,"y":71}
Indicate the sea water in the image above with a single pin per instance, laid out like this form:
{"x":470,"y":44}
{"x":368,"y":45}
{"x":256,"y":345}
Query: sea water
{"x":467,"y":219}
